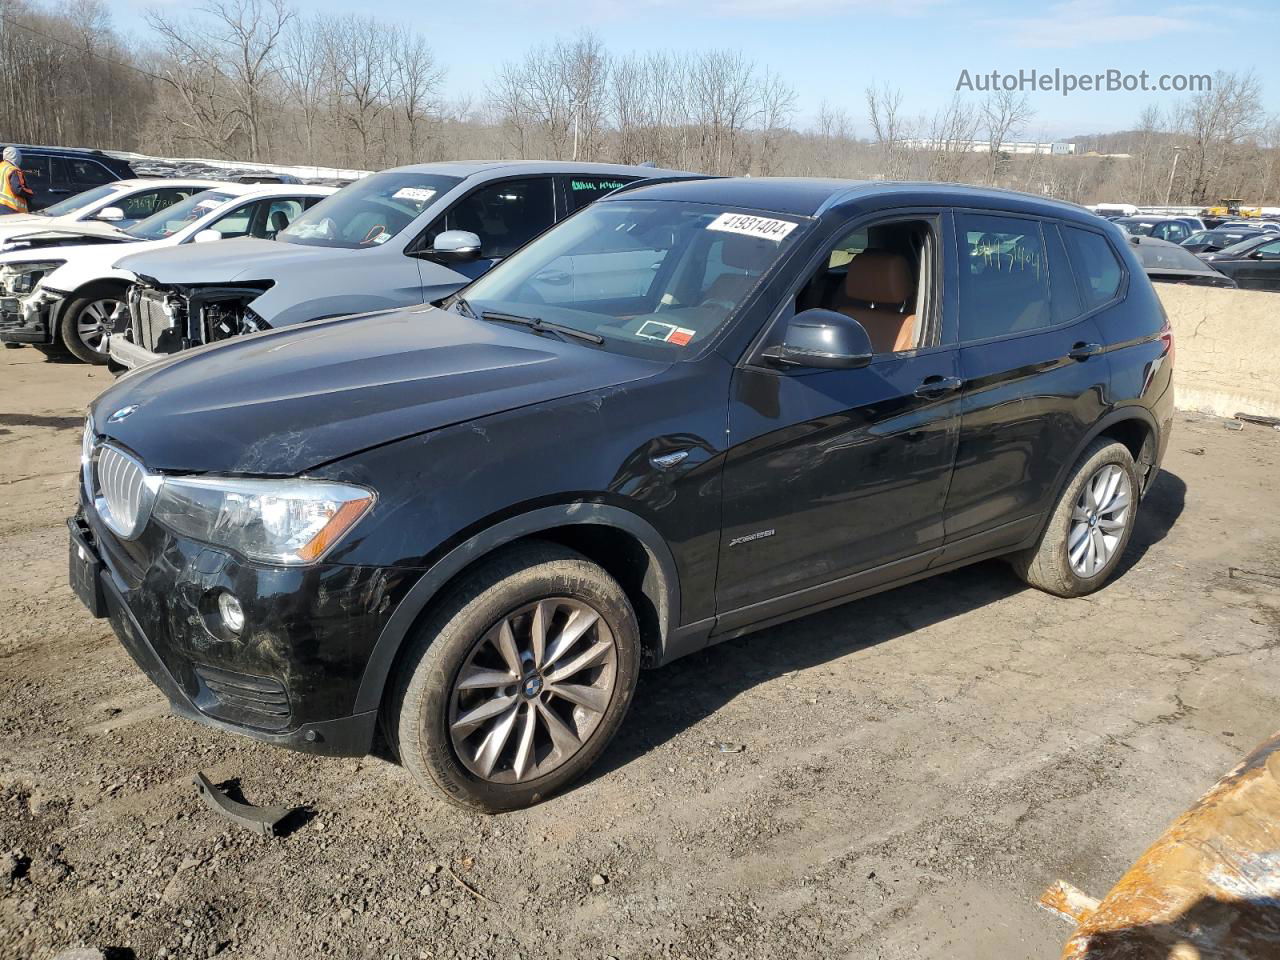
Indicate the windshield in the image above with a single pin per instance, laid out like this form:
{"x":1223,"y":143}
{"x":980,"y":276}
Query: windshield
{"x":1139,"y":228}
{"x":79,"y":201}
{"x":1170,"y":257}
{"x":653,"y":278}
{"x":179,"y":216}
{"x":1244,"y":246}
{"x":368,"y":212}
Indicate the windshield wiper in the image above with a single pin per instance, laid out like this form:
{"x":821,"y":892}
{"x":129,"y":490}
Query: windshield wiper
{"x":464,"y":307}
{"x":537,"y":323}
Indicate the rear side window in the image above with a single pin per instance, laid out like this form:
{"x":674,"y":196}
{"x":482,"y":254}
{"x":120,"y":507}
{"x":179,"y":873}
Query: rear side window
{"x":1096,"y":266}
{"x":1062,"y":283}
{"x":583,"y":190}
{"x":1004,"y":276}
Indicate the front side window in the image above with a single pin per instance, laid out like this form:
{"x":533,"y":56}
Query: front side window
{"x":88,"y":172}
{"x":1269,"y":251}
{"x":505,"y":215}
{"x":1095,"y":265}
{"x":652,"y":278}
{"x":179,"y":216}
{"x":583,"y":190}
{"x":882,"y":276}
{"x":139,"y":206}
{"x":369,"y":212}
{"x":36,"y":171}
{"x":1004,"y":276}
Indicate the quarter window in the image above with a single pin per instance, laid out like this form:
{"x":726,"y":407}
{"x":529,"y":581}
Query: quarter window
{"x":1095,"y":265}
{"x":1004,"y":277}
{"x":583,"y":190}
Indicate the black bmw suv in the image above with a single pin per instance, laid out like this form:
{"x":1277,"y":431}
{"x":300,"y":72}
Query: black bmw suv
{"x":689,"y":411}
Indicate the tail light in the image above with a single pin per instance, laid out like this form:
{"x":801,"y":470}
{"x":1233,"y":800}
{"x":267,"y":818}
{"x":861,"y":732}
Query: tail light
{"x":1166,"y":334}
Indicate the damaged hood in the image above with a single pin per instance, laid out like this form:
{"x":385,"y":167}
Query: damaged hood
{"x":227,"y":261}
{"x":36,"y":238}
{"x":281,"y":402}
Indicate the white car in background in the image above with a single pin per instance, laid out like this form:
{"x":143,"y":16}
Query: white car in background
{"x":61,"y":289}
{"x":119,"y":204}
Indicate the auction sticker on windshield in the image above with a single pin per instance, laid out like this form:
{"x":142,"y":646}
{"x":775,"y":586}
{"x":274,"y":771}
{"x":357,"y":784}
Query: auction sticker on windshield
{"x":416,"y":194}
{"x":762,"y":228}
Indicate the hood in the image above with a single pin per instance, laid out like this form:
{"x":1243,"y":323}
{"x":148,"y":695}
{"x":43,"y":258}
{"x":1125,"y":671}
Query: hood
{"x":281,"y":402}
{"x":82,"y":234}
{"x":244,"y":258}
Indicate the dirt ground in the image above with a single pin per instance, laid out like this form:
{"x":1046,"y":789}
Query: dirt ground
{"x":900,"y":777}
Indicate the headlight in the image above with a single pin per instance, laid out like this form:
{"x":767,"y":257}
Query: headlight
{"x":19,"y":279}
{"x":290,"y":522}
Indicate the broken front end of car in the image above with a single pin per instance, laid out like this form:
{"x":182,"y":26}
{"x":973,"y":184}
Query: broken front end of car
{"x":163,"y":319}
{"x":27,"y":309}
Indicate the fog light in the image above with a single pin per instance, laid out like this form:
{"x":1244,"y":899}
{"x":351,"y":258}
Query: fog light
{"x":231,"y":612}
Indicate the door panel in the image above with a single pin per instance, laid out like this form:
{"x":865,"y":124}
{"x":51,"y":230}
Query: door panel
{"x":1027,"y":405}
{"x":833,"y":472}
{"x":1035,"y":380}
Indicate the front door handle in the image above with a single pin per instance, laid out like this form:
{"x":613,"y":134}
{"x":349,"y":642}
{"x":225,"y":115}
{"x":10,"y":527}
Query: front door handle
{"x":933,"y":387}
{"x":1083,"y":351}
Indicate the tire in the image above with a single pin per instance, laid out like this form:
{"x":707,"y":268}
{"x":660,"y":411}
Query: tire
{"x":426,"y":718}
{"x":1060,"y":562}
{"x":96,"y":307}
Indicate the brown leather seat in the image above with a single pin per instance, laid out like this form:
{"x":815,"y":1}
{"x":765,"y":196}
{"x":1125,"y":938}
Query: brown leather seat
{"x":745,"y":254}
{"x":879,"y":290}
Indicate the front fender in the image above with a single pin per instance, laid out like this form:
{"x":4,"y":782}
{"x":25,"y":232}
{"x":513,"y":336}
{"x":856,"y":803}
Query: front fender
{"x":665,"y":578}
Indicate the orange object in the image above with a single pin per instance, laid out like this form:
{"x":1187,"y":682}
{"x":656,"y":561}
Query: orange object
{"x":1208,"y":889}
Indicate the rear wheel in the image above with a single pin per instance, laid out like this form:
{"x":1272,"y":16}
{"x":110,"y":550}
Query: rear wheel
{"x":88,"y":320}
{"x":1090,"y":526}
{"x":519,"y":681}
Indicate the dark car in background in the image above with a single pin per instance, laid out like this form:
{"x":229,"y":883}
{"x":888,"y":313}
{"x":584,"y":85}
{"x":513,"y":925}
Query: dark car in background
{"x":1211,"y":241}
{"x":1166,"y":262}
{"x":1254,"y":264}
{"x":1172,"y":229}
{"x":54,"y":173}
{"x":741,"y":401}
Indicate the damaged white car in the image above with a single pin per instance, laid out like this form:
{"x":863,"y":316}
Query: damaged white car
{"x":61,"y":290}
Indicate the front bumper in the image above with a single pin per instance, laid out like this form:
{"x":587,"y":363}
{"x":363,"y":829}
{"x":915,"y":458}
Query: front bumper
{"x":290,"y":680}
{"x":28,"y":320}
{"x":127,"y":353}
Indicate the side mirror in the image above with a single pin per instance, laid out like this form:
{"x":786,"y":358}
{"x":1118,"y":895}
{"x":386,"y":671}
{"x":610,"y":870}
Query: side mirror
{"x":110,"y":213}
{"x":824,"y":339}
{"x":455,"y":246}
{"x":204,"y":236}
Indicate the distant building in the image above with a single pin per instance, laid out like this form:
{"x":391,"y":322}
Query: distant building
{"x":1057,"y":148}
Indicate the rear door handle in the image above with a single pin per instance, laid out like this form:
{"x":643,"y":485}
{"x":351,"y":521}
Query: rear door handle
{"x":938,"y":386}
{"x":1083,"y":351}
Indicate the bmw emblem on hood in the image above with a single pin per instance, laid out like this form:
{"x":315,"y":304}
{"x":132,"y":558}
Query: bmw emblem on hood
{"x":122,"y":413}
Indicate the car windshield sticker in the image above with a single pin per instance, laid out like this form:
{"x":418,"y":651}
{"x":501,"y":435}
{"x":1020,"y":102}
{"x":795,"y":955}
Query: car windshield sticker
{"x":654,"y":330}
{"x":383,"y":237}
{"x":762,"y":228}
{"x":666,"y":332}
{"x":416,"y":194}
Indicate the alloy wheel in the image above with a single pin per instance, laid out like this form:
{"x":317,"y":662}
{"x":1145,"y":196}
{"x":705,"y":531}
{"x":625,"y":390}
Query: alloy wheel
{"x":97,"y":320}
{"x":533,"y":690}
{"x":1098,"y":520}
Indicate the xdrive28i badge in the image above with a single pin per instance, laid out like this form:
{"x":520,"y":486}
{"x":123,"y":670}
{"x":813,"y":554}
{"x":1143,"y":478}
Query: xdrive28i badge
{"x":122,"y":413}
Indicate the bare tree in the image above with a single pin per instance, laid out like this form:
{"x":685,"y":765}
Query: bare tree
{"x":1004,"y":114}
{"x":415,"y":85}
{"x":884,"y":113}
{"x":231,"y":48}
{"x":777,"y":109}
{"x":1216,"y":122}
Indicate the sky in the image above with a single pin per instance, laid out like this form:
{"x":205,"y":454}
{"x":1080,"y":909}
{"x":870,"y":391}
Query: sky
{"x":833,"y":49}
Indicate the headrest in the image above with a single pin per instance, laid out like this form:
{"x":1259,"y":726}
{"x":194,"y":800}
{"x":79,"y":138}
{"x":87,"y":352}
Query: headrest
{"x":746,"y":253}
{"x":879,"y":276}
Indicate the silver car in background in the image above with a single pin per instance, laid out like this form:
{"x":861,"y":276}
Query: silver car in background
{"x":404,"y":236}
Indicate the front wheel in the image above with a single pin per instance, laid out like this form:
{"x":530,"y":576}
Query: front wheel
{"x":518,"y":682}
{"x":1090,"y":525}
{"x":88,"y":320}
